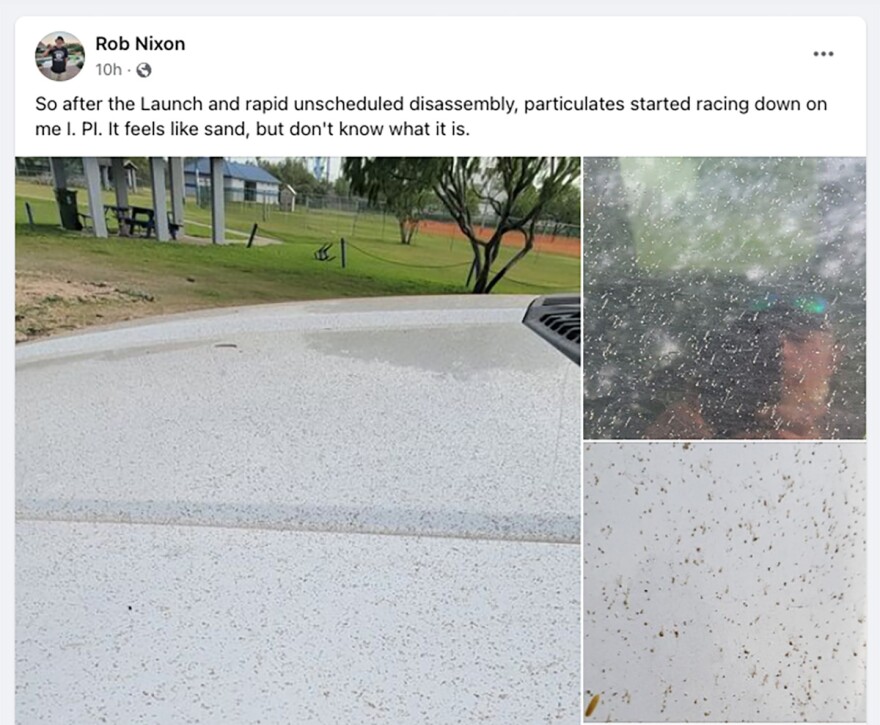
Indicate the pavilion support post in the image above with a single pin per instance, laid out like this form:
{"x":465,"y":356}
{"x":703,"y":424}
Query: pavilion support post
{"x":160,"y":210}
{"x":175,"y":168}
{"x":92,"y":172}
{"x":218,"y":201}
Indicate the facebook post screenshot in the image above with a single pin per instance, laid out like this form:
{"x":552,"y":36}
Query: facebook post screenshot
{"x":325,"y":402}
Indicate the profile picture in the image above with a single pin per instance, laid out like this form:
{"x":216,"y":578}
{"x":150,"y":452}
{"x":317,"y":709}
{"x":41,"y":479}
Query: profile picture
{"x":60,"y":56}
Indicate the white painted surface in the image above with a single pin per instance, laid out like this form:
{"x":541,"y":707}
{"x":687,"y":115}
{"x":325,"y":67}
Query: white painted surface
{"x":226,"y":475}
{"x":307,"y":416}
{"x":237,"y":626}
{"x":725,"y":582}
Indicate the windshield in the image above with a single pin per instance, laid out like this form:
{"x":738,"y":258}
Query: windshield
{"x":724,"y":297}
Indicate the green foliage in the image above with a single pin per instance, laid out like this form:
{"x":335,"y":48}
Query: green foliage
{"x":525,"y":201}
{"x":517,"y":191}
{"x":565,"y":208}
{"x":294,"y":172}
{"x":403,"y":185}
{"x":341,"y":187}
{"x":142,"y":166}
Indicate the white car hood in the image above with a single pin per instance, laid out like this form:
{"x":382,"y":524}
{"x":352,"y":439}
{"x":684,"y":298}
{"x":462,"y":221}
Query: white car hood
{"x":357,"y":509}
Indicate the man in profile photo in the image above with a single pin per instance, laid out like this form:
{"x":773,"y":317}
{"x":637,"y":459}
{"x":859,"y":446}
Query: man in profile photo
{"x":59,"y":55}
{"x":64,"y":53}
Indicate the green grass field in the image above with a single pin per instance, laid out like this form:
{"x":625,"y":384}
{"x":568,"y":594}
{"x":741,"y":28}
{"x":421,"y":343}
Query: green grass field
{"x":149,"y":277}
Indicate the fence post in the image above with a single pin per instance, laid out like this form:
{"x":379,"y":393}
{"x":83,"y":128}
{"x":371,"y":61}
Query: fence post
{"x":342,"y":251}
{"x":27,"y":208}
{"x":251,"y":237}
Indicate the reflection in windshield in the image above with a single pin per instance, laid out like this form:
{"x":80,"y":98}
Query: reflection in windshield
{"x":724,"y":298}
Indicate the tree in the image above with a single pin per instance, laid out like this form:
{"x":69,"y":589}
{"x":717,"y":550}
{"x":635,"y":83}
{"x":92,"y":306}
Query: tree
{"x":564,"y":210}
{"x":340,"y":186}
{"x":515,"y":191}
{"x":294,"y":173}
{"x":403,"y":185}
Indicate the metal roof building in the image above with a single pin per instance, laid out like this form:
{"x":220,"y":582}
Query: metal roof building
{"x":241,"y":182}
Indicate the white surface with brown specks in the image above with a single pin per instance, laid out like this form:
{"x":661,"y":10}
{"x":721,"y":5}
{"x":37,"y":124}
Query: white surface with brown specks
{"x":349,"y":511}
{"x":725,"y":581}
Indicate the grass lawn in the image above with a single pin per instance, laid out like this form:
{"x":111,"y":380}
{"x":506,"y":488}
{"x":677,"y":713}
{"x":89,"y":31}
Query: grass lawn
{"x":66,"y":280}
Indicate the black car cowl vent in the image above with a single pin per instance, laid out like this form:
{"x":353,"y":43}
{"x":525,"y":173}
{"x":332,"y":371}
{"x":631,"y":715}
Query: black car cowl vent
{"x":557,"y":318}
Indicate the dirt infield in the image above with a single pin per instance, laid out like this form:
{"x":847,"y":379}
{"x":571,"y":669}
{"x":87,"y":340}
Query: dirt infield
{"x":565,"y":246}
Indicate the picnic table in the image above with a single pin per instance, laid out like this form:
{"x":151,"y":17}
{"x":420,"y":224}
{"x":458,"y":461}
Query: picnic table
{"x":120,"y":213}
{"x":142,"y":217}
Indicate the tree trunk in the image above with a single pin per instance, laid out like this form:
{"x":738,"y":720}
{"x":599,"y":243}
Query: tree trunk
{"x":408,"y":229}
{"x":529,"y":235}
{"x":476,"y":265}
{"x":484,"y":266}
